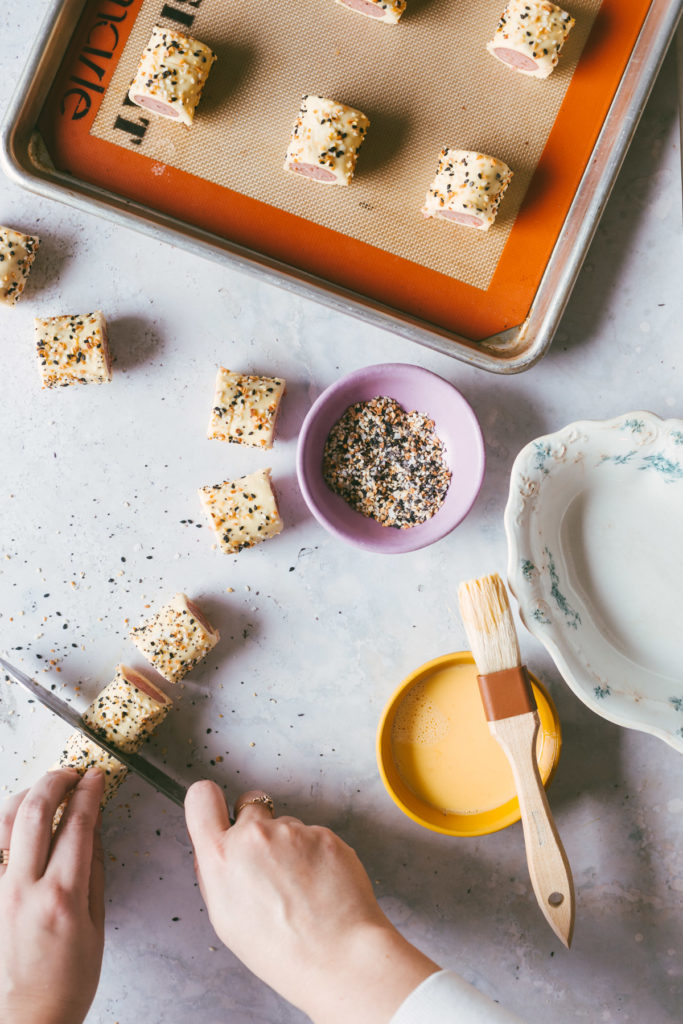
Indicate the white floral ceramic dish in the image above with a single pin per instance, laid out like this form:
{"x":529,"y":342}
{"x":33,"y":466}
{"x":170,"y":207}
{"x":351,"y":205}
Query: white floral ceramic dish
{"x":594,"y":523}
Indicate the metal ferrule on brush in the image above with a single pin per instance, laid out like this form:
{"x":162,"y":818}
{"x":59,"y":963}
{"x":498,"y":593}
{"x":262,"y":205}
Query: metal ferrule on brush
{"x":506,"y":693}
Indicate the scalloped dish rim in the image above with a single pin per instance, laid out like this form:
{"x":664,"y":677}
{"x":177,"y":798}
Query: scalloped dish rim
{"x":517,"y":517}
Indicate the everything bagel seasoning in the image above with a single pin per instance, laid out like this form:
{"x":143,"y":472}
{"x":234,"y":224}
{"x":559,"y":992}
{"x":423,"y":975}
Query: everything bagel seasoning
{"x":386,"y":463}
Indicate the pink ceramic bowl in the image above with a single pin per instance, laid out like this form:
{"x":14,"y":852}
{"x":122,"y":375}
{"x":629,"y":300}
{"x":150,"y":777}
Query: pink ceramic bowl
{"x":414,"y":388}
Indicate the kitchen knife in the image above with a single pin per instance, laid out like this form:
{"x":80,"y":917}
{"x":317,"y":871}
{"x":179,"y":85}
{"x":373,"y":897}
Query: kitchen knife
{"x":162,"y":782}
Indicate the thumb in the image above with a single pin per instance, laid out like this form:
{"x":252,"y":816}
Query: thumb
{"x":206,"y":815}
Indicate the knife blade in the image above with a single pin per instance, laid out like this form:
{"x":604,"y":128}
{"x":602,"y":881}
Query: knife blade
{"x":157,"y":778}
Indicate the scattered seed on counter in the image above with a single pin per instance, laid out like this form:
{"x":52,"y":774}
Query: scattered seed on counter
{"x":386,"y":463}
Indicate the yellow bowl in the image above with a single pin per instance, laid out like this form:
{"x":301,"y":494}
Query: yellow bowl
{"x":464,"y":822}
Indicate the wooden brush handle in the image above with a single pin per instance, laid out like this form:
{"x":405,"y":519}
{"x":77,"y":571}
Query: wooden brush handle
{"x":549,"y":868}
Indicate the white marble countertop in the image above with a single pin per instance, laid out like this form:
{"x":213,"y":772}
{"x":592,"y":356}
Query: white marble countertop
{"x":100,"y":517}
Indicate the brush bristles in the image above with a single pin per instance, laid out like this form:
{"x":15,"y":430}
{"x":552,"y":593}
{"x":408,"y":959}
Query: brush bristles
{"x":489,"y":625}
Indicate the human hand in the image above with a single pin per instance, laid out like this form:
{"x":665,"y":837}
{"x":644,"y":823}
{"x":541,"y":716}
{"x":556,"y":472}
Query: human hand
{"x":51,"y":901}
{"x":294,"y":903}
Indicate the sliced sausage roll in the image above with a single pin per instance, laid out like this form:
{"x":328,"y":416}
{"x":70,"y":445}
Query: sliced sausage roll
{"x":17,"y":253}
{"x":171,"y":75}
{"x":530,"y":36}
{"x":128,"y":710}
{"x":467,"y":189}
{"x":126,"y":713}
{"x":176,"y":638}
{"x":325,"y":141}
{"x":381,"y":10}
{"x":245,"y":408}
{"x":242,"y":512}
{"x":73,"y":350}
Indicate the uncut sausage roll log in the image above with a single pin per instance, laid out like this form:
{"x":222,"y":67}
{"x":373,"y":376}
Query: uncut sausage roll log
{"x":176,"y":638}
{"x":530,"y":36}
{"x":467,"y":189}
{"x":17,"y":253}
{"x":171,"y":75}
{"x":325,"y":141}
{"x":126,"y":712}
{"x":389,"y":11}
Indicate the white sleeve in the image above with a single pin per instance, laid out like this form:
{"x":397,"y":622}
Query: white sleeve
{"x":446,"y":998}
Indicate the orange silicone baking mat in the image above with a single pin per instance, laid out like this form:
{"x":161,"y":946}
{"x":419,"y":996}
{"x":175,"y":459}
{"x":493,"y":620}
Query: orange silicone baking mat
{"x":425,"y":83}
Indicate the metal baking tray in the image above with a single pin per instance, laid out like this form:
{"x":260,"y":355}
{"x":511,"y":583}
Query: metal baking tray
{"x":26,"y":160}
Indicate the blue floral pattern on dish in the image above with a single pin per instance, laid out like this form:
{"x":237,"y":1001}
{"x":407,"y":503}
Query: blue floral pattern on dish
{"x":618,"y":460}
{"x":669,"y":469}
{"x":543,"y":454}
{"x":572,"y":617}
{"x":547,"y":474}
{"x":528,"y":569}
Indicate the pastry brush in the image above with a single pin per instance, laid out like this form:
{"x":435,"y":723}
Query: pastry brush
{"x":510,"y":707}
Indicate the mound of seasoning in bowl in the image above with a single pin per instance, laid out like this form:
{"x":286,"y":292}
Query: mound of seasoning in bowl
{"x":386,"y":463}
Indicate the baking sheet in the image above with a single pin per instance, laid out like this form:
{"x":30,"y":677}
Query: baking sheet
{"x":46,"y":146}
{"x":442,"y":301}
{"x":425,"y":84}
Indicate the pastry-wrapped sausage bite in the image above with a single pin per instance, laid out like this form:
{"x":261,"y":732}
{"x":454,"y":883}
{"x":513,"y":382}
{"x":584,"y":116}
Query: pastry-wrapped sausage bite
{"x":530,"y":36}
{"x":176,"y":638}
{"x":389,"y":11}
{"x":325,"y":141}
{"x":126,"y":713}
{"x":467,"y":189}
{"x":171,"y":75}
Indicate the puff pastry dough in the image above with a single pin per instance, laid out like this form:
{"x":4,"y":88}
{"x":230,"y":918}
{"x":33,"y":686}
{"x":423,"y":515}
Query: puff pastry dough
{"x":467,"y":189}
{"x":176,"y":638}
{"x":171,"y":75}
{"x":325,"y":141}
{"x":530,"y":36}
{"x":242,"y":512}
{"x":73,"y":350}
{"x":245,"y":408}
{"x":17,"y":253}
